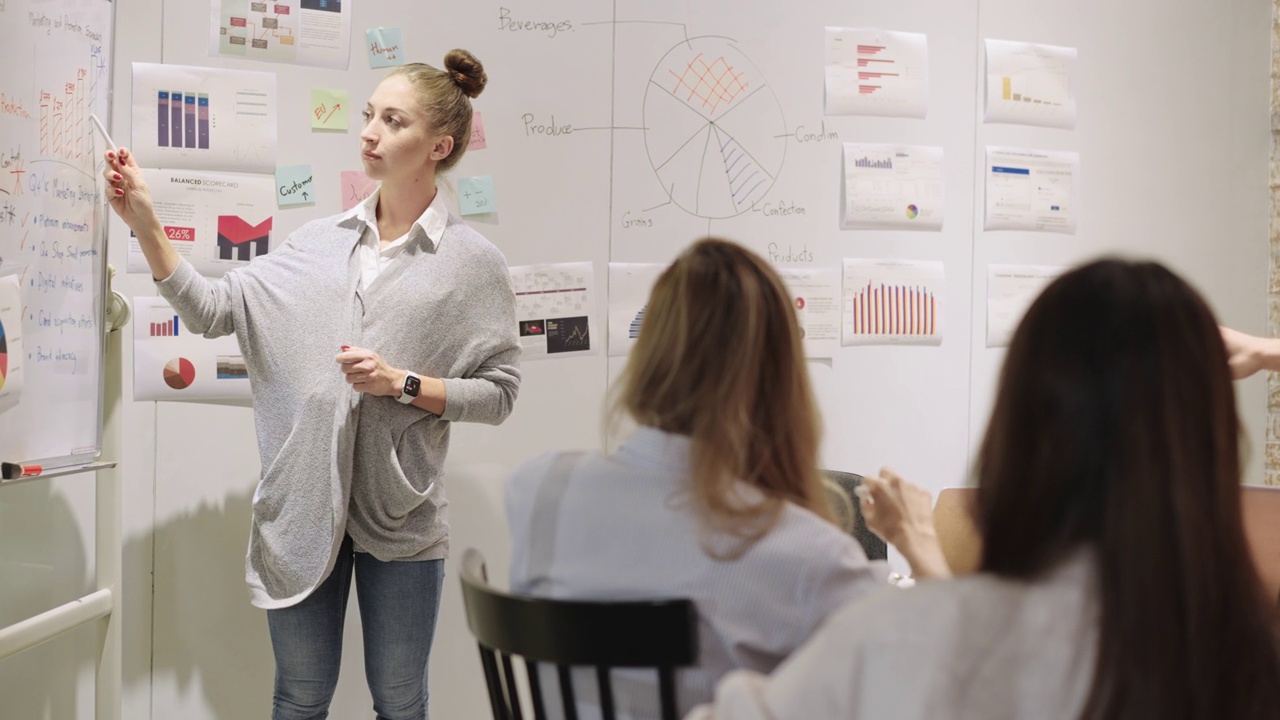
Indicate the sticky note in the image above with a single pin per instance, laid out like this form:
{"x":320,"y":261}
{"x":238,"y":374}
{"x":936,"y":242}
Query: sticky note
{"x":329,"y":109}
{"x":385,"y":46}
{"x":477,"y":133}
{"x":294,"y":186}
{"x":475,"y":195}
{"x":356,"y":186}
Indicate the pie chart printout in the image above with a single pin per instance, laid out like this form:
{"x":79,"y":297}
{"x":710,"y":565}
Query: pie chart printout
{"x":179,"y":373}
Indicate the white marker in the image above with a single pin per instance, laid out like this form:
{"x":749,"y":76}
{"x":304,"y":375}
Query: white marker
{"x":98,"y":124}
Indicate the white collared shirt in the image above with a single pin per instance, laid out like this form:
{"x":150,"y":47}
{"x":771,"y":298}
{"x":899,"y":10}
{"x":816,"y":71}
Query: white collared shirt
{"x":625,"y":529}
{"x":373,"y":257}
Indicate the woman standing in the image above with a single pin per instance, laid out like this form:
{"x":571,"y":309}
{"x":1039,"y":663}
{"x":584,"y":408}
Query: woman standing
{"x":366,"y":335}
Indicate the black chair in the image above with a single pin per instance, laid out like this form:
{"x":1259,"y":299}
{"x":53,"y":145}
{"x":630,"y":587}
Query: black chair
{"x":645,"y":634}
{"x":849,"y":514}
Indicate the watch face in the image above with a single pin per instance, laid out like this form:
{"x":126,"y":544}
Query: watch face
{"x":411,"y":385}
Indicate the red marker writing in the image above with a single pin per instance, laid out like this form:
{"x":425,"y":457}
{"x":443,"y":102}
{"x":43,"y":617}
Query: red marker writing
{"x":13,"y":471}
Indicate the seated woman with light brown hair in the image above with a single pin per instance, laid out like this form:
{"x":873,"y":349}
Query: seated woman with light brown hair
{"x":716,"y":496}
{"x":1115,"y":580}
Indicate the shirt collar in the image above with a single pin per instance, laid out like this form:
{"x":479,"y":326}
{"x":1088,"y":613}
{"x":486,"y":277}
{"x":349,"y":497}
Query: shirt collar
{"x":431,"y":223}
{"x":651,"y":446}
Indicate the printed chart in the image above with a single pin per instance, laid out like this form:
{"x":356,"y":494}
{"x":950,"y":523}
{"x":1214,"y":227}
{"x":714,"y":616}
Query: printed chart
{"x":876,"y":72}
{"x":1030,"y":84}
{"x":892,"y":187}
{"x":892,"y":302}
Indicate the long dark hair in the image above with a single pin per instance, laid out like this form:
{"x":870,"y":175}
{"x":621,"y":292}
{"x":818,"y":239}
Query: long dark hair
{"x":1115,"y":429}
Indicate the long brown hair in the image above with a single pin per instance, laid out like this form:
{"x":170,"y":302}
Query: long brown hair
{"x":719,"y":359}
{"x":1115,"y":429}
{"x":446,"y":96}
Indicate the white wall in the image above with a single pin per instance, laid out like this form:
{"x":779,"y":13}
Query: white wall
{"x":1173,"y":136}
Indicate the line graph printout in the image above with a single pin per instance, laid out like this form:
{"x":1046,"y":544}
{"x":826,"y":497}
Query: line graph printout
{"x":1030,"y":84}
{"x":208,"y":217}
{"x":305,"y":32}
{"x":555,"y":309}
{"x":892,"y":302}
{"x":876,"y":72}
{"x":815,"y":295}
{"x":713,"y":129}
{"x":1010,"y":291}
{"x":891,"y":187}
{"x":197,"y":118}
{"x":629,"y":287}
{"x":1032,"y":190}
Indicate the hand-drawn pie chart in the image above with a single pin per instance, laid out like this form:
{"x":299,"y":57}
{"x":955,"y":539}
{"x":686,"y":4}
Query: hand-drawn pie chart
{"x":713,"y":128}
{"x":4,"y":357}
{"x":179,"y":373}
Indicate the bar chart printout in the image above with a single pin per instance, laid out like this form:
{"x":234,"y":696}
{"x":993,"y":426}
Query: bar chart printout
{"x":876,"y":72}
{"x":1030,"y":84}
{"x":892,"y":187}
{"x":892,"y":302}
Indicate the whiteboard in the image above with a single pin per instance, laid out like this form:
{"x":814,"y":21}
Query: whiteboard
{"x":52,"y":235}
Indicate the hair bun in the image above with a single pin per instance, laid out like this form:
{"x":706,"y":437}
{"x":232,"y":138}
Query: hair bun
{"x":465,"y":71}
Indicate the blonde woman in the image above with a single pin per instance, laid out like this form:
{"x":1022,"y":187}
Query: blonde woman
{"x":715,"y":497}
{"x":366,"y":336}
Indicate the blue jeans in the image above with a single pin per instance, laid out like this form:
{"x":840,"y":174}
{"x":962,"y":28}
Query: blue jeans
{"x":398,"y":606}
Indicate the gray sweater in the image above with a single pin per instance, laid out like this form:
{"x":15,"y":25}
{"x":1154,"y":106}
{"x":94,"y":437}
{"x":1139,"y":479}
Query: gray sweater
{"x":336,"y":461}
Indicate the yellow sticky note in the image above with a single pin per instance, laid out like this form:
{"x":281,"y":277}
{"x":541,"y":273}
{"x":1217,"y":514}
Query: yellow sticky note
{"x":329,"y":109}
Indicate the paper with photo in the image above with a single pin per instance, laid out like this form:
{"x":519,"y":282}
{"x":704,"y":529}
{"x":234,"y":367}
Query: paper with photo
{"x":217,"y":221}
{"x":629,"y":287}
{"x":555,"y":309}
{"x":1030,"y":84}
{"x":876,"y":72}
{"x":892,"y":187}
{"x":1010,"y":291}
{"x":815,"y":295}
{"x":892,"y":302}
{"x":208,"y":119}
{"x":308,"y":32}
{"x":1031,"y":190}
{"x":172,"y":363}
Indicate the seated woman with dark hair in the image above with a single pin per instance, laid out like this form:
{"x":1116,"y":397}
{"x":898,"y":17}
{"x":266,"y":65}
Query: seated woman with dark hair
{"x":1115,"y":577}
{"x":715,"y":497}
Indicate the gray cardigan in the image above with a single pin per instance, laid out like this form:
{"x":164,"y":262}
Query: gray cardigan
{"x":336,"y":461}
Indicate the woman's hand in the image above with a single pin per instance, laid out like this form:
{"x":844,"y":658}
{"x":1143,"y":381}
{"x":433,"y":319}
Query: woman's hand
{"x":902,"y":514}
{"x":369,"y":373}
{"x":1247,"y":354}
{"x":128,"y":192}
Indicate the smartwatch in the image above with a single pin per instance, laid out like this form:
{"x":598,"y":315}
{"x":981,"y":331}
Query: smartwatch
{"x":412,"y":385}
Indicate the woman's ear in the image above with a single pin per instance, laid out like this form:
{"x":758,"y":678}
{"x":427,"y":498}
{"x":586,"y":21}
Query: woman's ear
{"x":442,"y":148}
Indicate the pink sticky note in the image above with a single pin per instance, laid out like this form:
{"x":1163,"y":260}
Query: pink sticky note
{"x":477,"y":133}
{"x":356,"y":186}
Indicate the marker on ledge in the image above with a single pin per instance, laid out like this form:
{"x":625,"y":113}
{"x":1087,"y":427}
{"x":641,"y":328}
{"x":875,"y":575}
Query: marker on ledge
{"x":98,"y":124}
{"x":13,"y":471}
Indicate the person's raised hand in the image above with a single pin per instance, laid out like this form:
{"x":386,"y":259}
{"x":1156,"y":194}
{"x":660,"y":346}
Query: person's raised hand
{"x":902,"y":514}
{"x":127,"y":191}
